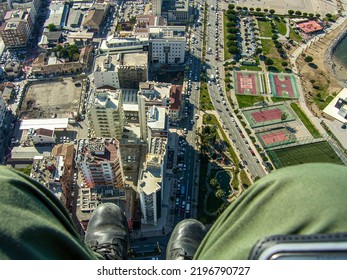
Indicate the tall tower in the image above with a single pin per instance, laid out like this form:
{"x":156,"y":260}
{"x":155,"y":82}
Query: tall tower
{"x":156,"y":7}
{"x":107,"y":114}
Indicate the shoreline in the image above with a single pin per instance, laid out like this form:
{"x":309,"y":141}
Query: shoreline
{"x":333,"y":65}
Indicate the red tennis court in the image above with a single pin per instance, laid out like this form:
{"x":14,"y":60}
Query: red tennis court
{"x":246,"y":83}
{"x":274,"y":137}
{"x":267,"y":115}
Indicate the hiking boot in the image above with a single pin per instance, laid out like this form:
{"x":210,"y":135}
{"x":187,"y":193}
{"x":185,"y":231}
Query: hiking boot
{"x":185,"y":240}
{"x":107,"y":232}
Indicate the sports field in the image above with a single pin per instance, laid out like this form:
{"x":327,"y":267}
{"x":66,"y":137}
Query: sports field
{"x":268,"y":115}
{"x":248,"y":83}
{"x":283,"y":85}
{"x":308,"y":153}
{"x":276,"y":137}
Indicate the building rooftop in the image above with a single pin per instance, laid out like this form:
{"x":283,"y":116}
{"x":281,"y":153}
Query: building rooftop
{"x":156,"y":117}
{"x":50,"y":124}
{"x":56,"y":12}
{"x":167,"y":32}
{"x":151,"y":179}
{"x":108,"y":99}
{"x":47,"y":171}
{"x":111,"y":62}
{"x":24,"y":153}
{"x":337,"y":108}
{"x":175,"y":97}
{"x":309,"y":26}
{"x":97,"y":150}
{"x":155,"y":90}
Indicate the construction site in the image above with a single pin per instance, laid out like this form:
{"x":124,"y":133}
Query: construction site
{"x":60,"y":98}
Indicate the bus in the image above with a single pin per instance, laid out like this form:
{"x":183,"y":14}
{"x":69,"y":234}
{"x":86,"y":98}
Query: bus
{"x":182,"y":190}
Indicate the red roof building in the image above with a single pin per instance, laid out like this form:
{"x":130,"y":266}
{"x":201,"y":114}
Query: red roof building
{"x":309,"y":27}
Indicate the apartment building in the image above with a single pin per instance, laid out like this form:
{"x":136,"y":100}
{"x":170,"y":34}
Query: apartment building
{"x":106,"y":114}
{"x":16,"y":28}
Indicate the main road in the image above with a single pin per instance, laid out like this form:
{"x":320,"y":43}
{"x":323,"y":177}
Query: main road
{"x":215,"y":68}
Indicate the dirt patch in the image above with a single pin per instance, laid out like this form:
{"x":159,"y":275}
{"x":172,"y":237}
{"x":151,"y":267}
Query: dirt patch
{"x":318,"y":82}
{"x":51,"y":99}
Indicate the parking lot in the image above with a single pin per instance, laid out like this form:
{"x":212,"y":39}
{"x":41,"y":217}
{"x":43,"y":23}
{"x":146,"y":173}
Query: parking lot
{"x":52,"y":99}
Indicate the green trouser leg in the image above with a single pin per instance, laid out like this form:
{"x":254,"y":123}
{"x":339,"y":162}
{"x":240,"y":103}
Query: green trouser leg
{"x":304,"y":199}
{"x":34,"y":223}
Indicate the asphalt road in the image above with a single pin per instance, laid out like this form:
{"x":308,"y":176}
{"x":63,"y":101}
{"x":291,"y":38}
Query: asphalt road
{"x":218,"y":95}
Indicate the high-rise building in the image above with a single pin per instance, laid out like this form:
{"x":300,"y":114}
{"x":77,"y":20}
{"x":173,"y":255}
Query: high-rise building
{"x":100,"y":165}
{"x":106,"y":114}
{"x":156,"y":7}
{"x":150,"y":189}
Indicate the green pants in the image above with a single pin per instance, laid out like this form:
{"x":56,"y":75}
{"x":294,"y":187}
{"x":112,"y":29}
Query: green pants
{"x":305,"y":199}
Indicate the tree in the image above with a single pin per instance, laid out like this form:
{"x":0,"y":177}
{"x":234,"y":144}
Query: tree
{"x":274,"y":37}
{"x":305,"y":14}
{"x":245,"y":8}
{"x":308,"y":59}
{"x":233,"y":30}
{"x":132,"y":20}
{"x":272,"y":11}
{"x":232,"y":37}
{"x":284,"y":116}
{"x":258,"y":9}
{"x":238,"y":8}
{"x":291,"y":12}
{"x":268,"y":61}
{"x":234,"y":50}
{"x":51,"y":27}
{"x":298,"y":13}
{"x":251,"y":9}
{"x":317,"y":15}
{"x":213,"y":183}
{"x":266,"y":10}
{"x":231,"y":6}
{"x":311,"y":15}
{"x":259,"y":50}
{"x":284,"y":63}
{"x":219,"y":193}
{"x":329,"y":16}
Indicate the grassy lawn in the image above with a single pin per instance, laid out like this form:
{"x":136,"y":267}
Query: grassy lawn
{"x":302,"y":116}
{"x":281,"y":26}
{"x":205,"y":100}
{"x":294,"y":36}
{"x":227,"y":54}
{"x":270,"y":51}
{"x":25,"y":170}
{"x":264,"y":28}
{"x":248,"y":100}
{"x":251,"y":68}
{"x":280,"y":99}
{"x":308,"y":153}
{"x":244,"y":178}
{"x":322,"y":97}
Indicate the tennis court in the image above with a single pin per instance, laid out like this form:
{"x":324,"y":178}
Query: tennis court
{"x":268,"y":115}
{"x":247,"y":83}
{"x":276,"y":137}
{"x":283,"y":85}
{"x":308,"y":153}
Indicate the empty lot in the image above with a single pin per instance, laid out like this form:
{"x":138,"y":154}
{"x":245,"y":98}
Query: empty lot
{"x":52,"y":99}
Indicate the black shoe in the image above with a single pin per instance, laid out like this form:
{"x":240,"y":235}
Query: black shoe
{"x":185,"y":240}
{"x":107,"y":232}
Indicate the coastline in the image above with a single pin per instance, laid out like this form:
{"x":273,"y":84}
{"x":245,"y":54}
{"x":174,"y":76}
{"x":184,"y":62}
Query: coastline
{"x":333,"y":65}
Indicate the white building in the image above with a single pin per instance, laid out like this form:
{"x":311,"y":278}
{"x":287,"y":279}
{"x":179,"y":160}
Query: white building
{"x":150,"y":189}
{"x":121,"y":70}
{"x":106,"y":72}
{"x":107,"y":114}
{"x":167,"y":44}
{"x":156,"y":7}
